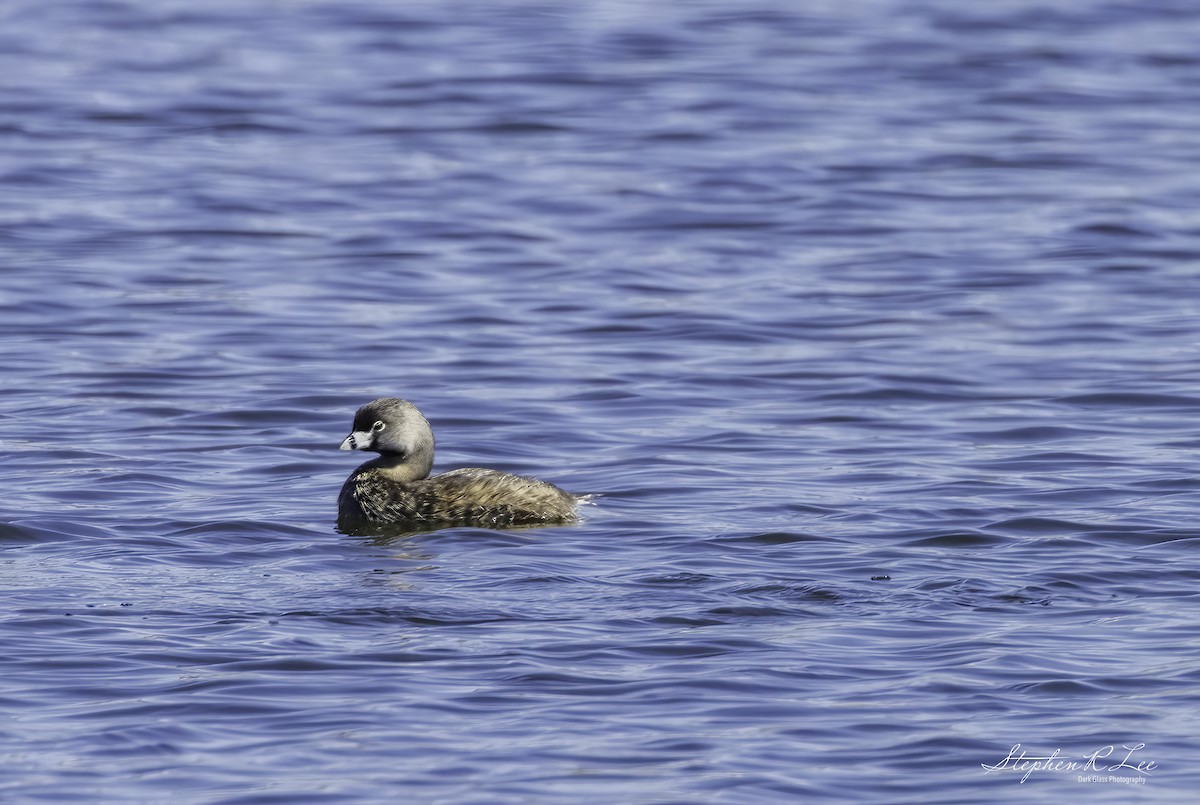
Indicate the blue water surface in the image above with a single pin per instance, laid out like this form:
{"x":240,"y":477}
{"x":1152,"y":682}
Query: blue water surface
{"x":873,"y":325}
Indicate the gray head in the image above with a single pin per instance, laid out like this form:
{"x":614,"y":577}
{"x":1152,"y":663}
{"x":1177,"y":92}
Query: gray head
{"x":395,"y":429}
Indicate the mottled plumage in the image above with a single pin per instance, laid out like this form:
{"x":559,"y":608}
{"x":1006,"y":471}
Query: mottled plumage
{"x":395,"y":490}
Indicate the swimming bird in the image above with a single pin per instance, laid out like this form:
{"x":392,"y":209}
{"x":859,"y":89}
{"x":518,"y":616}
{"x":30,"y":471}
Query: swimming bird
{"x":395,"y":489}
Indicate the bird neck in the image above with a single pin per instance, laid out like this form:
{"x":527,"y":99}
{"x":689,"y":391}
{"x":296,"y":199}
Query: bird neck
{"x":402,"y":468}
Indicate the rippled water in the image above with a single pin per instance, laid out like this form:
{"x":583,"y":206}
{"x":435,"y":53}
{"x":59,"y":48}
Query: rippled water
{"x":873,"y":324}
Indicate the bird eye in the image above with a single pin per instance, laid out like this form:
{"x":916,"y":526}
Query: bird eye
{"x":378,"y":426}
